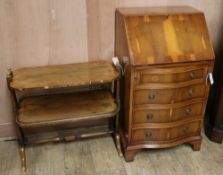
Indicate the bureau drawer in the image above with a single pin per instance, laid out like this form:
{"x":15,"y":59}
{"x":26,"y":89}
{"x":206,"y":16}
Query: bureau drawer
{"x":165,"y":134}
{"x":167,"y":96}
{"x":169,"y":75}
{"x":151,"y":115}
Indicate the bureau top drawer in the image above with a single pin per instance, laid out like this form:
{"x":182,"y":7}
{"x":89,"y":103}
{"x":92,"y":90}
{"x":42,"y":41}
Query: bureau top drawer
{"x":168,"y":75}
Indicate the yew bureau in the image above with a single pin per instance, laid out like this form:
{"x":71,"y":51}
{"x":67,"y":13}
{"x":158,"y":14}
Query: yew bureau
{"x":167,"y":60}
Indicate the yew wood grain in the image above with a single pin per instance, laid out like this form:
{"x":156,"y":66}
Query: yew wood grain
{"x":165,"y":134}
{"x":165,"y":115}
{"x":165,"y":37}
{"x":167,"y":54}
{"x":167,"y":96}
{"x":58,"y":76}
{"x":168,"y":75}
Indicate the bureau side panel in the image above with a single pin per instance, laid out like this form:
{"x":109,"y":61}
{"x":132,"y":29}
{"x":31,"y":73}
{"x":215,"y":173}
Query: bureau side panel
{"x":122,"y":52}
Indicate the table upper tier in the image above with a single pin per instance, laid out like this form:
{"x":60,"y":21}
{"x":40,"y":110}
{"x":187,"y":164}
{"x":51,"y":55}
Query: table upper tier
{"x":58,"y":76}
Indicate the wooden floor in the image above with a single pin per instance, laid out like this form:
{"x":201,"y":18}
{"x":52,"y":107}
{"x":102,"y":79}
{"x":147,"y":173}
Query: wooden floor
{"x":99,"y":157}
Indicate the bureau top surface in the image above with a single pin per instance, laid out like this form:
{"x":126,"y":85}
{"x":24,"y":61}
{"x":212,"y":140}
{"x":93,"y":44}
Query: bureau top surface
{"x":162,"y":35}
{"x":58,"y":76}
{"x":162,"y":10}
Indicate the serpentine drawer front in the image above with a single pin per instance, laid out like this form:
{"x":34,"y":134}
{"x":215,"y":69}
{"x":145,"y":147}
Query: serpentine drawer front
{"x":169,"y":75}
{"x":165,"y":134}
{"x":166,"y":96}
{"x":166,"y":56}
{"x":167,"y":114}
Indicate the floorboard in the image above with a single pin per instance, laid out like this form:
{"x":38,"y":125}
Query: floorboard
{"x":99,"y":157}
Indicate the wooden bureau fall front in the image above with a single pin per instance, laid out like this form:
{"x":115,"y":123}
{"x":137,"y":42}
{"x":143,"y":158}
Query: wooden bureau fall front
{"x":167,"y":57}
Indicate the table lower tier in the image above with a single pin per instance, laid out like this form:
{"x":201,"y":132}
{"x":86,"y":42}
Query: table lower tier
{"x":58,"y":109}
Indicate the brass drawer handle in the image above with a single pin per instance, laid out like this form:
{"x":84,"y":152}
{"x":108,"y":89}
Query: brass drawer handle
{"x":192,"y":75}
{"x":149,"y":115}
{"x":188,"y":111}
{"x":190,"y":92}
{"x":152,"y":96}
{"x":185,"y":130}
{"x":148,"y":135}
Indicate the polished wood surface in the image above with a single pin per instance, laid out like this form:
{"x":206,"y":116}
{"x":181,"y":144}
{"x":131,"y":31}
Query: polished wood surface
{"x":166,"y":55}
{"x":168,"y":75}
{"x":165,"y":114}
{"x":167,"y":37}
{"x":59,"y":76}
{"x":66,"y":108}
{"x":165,"y":134}
{"x":166,"y":96}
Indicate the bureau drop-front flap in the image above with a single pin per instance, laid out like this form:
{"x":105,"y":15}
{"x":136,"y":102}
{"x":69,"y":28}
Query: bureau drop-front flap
{"x":175,"y":34}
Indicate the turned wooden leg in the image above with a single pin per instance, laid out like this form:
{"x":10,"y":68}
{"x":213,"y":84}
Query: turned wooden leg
{"x":118,"y":144}
{"x":196,"y":145}
{"x":130,"y":155}
{"x":22,"y":157}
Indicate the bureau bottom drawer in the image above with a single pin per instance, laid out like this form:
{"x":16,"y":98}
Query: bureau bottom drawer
{"x":165,"y":134}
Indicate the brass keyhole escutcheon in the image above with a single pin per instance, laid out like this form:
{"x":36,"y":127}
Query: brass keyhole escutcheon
{"x":135,"y":78}
{"x":152,"y":96}
{"x":149,"y":115}
{"x":190,"y":92}
{"x":148,"y":135}
{"x":185,"y":130}
{"x":188,"y":111}
{"x":192,"y":75}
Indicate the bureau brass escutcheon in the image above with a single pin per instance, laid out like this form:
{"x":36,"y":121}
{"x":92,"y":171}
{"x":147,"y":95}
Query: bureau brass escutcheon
{"x":148,"y":135}
{"x":192,"y":75}
{"x":135,"y":77}
{"x":149,"y":115}
{"x":152,"y":96}
{"x":190,"y":92}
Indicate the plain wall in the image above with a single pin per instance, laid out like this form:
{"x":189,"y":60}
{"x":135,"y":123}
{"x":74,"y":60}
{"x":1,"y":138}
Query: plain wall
{"x":46,"y":32}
